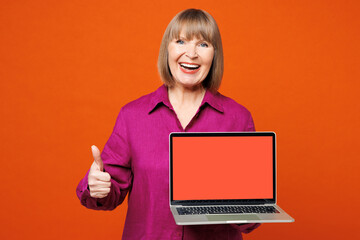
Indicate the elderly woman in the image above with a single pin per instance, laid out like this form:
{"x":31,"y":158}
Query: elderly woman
{"x":135,"y":159}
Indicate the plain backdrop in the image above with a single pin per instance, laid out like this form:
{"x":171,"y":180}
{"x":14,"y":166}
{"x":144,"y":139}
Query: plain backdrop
{"x":67,"y":67}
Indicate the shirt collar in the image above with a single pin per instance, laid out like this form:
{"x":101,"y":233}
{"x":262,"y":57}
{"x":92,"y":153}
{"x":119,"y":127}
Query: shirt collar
{"x":213,"y":99}
{"x":161,"y":97}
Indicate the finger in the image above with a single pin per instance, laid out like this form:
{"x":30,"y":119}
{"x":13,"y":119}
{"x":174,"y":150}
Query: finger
{"x":102,"y":176}
{"x":98,"y":195}
{"x":96,"y":191}
{"x":101,"y":195}
{"x":100,"y":190}
{"x":97,"y":157}
{"x":99,"y":184}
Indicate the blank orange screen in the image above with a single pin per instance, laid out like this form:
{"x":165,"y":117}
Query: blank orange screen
{"x":222,"y":168}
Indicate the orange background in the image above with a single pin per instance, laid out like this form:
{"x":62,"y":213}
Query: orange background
{"x":222,"y":168}
{"x":66,"y":68}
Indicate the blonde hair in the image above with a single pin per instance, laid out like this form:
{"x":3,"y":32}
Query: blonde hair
{"x":200,"y":24}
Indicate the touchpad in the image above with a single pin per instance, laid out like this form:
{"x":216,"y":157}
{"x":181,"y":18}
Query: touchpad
{"x":232,"y":217}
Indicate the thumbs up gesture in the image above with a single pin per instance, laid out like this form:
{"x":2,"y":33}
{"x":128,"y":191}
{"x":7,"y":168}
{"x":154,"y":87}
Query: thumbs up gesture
{"x":98,"y":180}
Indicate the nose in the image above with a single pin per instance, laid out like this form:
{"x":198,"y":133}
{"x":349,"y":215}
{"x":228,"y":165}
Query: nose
{"x":191,"y":51}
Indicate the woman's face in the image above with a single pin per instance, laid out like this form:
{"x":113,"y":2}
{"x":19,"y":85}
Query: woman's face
{"x":190,"y":60}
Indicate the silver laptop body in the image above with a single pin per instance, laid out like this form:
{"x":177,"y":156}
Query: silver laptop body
{"x":197,"y":172}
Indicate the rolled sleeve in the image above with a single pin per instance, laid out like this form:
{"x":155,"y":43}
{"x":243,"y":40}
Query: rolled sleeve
{"x":116,"y":158}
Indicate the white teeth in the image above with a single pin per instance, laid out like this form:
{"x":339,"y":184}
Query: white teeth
{"x":189,"y":65}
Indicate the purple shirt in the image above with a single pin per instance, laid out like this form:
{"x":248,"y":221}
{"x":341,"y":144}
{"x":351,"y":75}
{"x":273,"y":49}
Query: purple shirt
{"x":137,"y":158}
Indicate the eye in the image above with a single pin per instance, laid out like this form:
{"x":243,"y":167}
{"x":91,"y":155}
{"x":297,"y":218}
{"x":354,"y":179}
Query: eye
{"x":180,"y":41}
{"x":204,"y":44}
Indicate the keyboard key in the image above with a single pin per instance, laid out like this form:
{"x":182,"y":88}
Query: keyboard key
{"x":225,"y":210}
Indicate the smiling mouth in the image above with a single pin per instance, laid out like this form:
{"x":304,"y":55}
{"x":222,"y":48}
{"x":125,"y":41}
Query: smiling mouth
{"x":189,"y":66}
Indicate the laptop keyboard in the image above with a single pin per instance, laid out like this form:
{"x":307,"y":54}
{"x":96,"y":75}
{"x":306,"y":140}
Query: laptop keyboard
{"x":225,"y":210}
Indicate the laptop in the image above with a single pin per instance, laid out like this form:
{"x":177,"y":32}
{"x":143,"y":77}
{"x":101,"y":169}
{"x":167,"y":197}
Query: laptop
{"x":224,"y":178}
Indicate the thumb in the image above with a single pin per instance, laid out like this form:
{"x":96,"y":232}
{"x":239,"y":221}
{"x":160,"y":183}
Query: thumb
{"x":97,"y":157}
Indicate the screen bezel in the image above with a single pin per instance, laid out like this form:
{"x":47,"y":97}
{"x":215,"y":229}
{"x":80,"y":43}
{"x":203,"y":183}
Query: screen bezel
{"x":216,"y":201}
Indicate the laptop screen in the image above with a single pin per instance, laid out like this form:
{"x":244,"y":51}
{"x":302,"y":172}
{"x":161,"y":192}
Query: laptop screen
{"x":222,"y":166}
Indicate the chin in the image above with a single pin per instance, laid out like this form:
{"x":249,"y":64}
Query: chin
{"x":191,"y":85}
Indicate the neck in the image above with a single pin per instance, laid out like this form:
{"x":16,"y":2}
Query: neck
{"x":182,"y":96}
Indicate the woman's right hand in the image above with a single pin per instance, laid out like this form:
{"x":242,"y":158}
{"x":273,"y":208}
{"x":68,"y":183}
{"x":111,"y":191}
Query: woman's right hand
{"x":98,"y":180}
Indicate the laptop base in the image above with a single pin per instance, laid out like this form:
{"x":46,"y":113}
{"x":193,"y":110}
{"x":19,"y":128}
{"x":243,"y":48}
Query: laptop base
{"x":236,"y":218}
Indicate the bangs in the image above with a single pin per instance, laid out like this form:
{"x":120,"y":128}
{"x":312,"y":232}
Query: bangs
{"x":194,"y":25}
